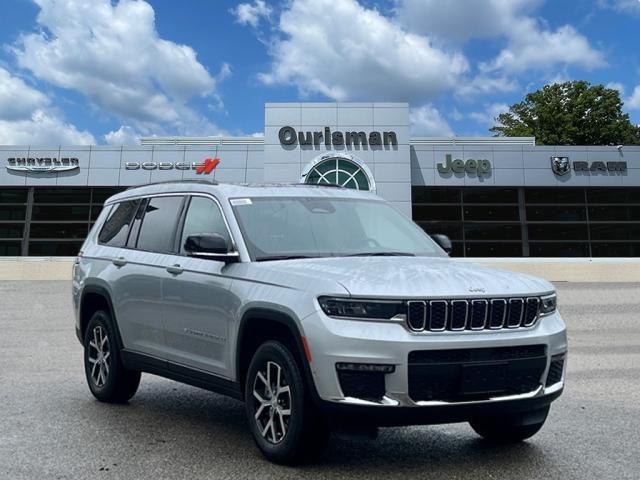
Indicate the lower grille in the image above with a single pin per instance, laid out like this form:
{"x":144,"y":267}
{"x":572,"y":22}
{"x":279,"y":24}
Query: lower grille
{"x":475,"y":374}
{"x":363,"y":385}
{"x":555,"y":370}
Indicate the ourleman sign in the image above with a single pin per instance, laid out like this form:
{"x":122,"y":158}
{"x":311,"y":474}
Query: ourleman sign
{"x":42,"y":164}
{"x":469,"y":166}
{"x":288,"y":136}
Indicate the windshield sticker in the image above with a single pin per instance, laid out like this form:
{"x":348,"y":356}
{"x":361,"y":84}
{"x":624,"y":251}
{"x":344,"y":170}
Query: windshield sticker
{"x":240,"y":201}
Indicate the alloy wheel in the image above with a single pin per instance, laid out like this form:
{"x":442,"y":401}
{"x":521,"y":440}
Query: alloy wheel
{"x":272,"y":402}
{"x":99,"y":356}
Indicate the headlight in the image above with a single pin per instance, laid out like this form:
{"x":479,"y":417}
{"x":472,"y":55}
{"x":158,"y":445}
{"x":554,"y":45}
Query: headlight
{"x":344,"y":307}
{"x":548,"y":304}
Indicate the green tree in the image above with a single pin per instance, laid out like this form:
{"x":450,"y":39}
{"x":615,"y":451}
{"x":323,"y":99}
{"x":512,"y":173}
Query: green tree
{"x":570,"y":113}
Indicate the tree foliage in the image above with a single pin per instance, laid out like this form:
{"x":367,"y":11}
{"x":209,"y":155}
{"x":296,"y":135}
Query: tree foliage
{"x":570,"y":113}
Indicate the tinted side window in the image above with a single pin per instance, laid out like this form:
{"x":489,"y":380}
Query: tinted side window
{"x":203,"y":216}
{"x":158,"y":224}
{"x":115,"y":230}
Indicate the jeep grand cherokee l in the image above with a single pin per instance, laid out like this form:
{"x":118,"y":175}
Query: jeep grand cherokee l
{"x":323,"y":309}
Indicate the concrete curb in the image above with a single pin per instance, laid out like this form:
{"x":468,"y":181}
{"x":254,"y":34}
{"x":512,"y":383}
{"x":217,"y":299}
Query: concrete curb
{"x":603,"y":270}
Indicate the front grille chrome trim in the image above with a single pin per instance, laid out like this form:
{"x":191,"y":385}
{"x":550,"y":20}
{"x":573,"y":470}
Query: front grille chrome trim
{"x":438,"y":314}
{"x":423,"y":323}
{"x":466,"y":315}
{"x":486,"y":313}
{"x":431,"y":316}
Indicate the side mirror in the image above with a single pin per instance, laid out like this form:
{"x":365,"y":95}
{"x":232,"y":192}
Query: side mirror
{"x":209,"y":245}
{"x":443,"y":241}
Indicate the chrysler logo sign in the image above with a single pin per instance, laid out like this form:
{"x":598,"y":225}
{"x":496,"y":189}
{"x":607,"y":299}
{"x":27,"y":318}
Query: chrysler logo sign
{"x":562,"y":166}
{"x":42,"y":164}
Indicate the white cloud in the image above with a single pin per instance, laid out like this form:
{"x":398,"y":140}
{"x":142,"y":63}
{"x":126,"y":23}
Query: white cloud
{"x":251,"y":14}
{"x":616,"y":86}
{"x":17,"y":99}
{"x":461,"y":20}
{"x":484,"y":84}
{"x":624,"y":6}
{"x":529,"y":47}
{"x":26,"y":118}
{"x":113,"y":55}
{"x":427,"y":121}
{"x":633,"y":102}
{"x":488,"y":117}
{"x":343,"y":50}
{"x":125,"y":135}
{"x":42,"y":128}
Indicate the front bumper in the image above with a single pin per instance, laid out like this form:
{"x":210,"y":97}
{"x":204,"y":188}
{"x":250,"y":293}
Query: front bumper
{"x":333,"y":341}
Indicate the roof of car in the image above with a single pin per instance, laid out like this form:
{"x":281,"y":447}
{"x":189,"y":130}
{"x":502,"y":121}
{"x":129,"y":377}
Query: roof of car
{"x":239,"y":190}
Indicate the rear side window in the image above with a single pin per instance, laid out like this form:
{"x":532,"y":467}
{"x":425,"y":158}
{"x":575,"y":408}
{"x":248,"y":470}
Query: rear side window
{"x":157,"y":232}
{"x":115,"y":230}
{"x":203,"y":216}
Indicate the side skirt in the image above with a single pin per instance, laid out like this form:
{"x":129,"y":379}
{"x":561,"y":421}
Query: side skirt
{"x":180,"y":373}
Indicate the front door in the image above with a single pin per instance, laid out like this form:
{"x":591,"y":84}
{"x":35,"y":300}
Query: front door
{"x":197,"y":303}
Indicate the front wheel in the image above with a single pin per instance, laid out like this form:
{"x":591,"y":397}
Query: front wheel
{"x":283,"y":422}
{"x":510,"y":429}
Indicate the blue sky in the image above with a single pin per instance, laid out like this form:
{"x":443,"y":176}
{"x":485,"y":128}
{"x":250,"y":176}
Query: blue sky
{"x":100,"y":71}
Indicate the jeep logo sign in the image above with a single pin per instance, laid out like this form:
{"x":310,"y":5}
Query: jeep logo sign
{"x":469,"y":166}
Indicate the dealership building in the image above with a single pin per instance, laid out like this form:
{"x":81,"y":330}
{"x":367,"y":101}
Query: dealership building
{"x":494,"y":197}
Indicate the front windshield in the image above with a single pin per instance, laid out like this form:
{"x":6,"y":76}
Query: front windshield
{"x":275,"y":228}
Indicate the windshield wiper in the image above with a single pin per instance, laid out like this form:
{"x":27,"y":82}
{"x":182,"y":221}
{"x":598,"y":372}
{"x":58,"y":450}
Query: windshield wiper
{"x":268,"y":258}
{"x":382,"y":254}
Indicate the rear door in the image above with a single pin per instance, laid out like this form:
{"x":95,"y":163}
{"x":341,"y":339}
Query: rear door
{"x":197,"y":301}
{"x":149,"y":246}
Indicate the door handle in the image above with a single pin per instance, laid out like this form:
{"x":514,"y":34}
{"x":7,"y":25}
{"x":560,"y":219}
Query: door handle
{"x":175,"y":269}
{"x":119,"y":261}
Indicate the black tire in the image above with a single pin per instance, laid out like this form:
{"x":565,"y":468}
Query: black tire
{"x":305,"y":435}
{"x":510,"y":429}
{"x":113,"y":383}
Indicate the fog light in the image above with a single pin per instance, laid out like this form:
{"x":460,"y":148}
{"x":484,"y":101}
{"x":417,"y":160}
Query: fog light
{"x":365,"y":367}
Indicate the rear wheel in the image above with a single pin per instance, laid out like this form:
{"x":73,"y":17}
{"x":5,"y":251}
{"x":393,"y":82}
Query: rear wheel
{"x":107,"y":378}
{"x":510,"y":429}
{"x":284,"y":423}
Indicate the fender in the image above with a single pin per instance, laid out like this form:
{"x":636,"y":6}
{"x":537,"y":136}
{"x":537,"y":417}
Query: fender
{"x":102,"y":291}
{"x":292,"y":326}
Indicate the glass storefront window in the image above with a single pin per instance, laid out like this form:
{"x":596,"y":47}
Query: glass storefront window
{"x":11,"y":230}
{"x":560,"y":249}
{"x":54,"y":248}
{"x":13,"y":212}
{"x":553,"y":195}
{"x":558,"y":213}
{"x":491,"y":213}
{"x":436,"y":212}
{"x":492,"y":231}
{"x":61,"y":212}
{"x":62,"y":195}
{"x":490,"y":195}
{"x":13,"y":195}
{"x":557,"y":231}
{"x":10,"y":249}
{"x":436,"y":195}
{"x":59,"y":230}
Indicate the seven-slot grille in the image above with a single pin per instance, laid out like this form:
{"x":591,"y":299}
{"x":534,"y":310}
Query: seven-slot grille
{"x":475,"y":314}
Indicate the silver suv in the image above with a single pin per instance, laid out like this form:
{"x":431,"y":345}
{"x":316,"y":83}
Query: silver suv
{"x":323,"y":309}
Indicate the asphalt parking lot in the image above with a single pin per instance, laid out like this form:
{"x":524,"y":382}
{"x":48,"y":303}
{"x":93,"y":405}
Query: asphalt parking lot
{"x":51,"y":427}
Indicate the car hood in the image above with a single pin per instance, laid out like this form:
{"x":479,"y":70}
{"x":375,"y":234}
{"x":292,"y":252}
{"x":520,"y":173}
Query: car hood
{"x":405,"y":277}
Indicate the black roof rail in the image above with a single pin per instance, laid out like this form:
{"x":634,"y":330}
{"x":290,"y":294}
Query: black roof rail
{"x":165,"y":182}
